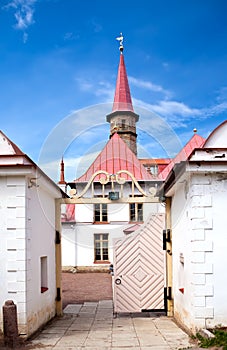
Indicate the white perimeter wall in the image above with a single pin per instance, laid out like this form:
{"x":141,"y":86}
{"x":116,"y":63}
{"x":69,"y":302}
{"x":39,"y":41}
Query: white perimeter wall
{"x":13,"y":246}
{"x":219,"y":238}
{"x":199,"y":242}
{"x":41,"y":230}
{"x":27,"y":233}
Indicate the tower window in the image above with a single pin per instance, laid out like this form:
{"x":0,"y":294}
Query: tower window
{"x":123,"y":122}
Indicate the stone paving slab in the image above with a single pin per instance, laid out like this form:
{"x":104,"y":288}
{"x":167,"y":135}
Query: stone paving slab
{"x":93,"y":326}
{"x":72,"y":309}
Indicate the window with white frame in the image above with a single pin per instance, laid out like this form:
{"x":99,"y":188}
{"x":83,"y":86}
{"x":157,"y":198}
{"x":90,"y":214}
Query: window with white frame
{"x":136,"y":212}
{"x":100,"y":212}
{"x":101,"y":247}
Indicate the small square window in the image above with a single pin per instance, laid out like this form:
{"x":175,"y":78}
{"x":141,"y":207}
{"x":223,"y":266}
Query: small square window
{"x":44,"y":276}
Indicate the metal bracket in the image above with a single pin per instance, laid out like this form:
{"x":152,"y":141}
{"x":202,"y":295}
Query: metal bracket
{"x":166,"y":238}
{"x":57,"y":237}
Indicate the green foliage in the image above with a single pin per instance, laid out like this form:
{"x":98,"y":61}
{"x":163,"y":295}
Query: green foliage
{"x":220,"y":339}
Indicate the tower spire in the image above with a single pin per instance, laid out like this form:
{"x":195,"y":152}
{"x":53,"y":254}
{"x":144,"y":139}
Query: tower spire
{"x":62,"y":174}
{"x":122,"y":97}
{"x":123,"y":118}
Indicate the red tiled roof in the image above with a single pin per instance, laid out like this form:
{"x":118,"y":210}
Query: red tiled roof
{"x":195,"y":142}
{"x":131,"y":229}
{"x":69,"y":214}
{"x":122,"y":98}
{"x":155,"y":161}
{"x":116,"y":156}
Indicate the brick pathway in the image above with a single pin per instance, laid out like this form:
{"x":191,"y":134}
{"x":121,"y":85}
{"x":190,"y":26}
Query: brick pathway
{"x":78,"y":288}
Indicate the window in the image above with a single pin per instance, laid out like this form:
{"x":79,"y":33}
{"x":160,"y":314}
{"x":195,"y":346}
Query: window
{"x":123,"y":122}
{"x":154,"y":170}
{"x":101,"y":242}
{"x":43,"y":268}
{"x":100,"y":213}
{"x":136,"y":211}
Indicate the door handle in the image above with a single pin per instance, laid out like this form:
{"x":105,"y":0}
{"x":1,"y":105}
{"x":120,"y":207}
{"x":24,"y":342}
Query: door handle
{"x":118,"y":281}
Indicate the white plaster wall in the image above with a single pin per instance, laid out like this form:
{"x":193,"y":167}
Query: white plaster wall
{"x":219,"y":236}
{"x":84,"y":213}
{"x":218,"y":138}
{"x":199,"y":223}
{"x":69,"y":244}
{"x":27,"y":215}
{"x":41,"y":243}
{"x":78,"y":242}
{"x":181,"y":247}
{"x":13,"y":245}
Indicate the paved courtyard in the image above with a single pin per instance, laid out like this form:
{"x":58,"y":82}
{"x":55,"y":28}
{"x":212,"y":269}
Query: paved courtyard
{"x":88,"y":322}
{"x":92,"y":326}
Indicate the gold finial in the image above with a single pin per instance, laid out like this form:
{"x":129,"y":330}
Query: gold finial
{"x":195,"y":130}
{"x":120,"y":39}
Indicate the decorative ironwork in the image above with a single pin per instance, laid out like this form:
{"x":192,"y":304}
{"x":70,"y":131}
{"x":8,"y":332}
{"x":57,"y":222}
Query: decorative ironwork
{"x":112,"y":180}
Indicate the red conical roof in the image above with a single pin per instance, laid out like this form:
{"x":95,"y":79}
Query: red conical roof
{"x":122,"y":98}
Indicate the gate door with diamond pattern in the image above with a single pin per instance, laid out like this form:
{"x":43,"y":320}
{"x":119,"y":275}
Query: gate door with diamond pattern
{"x":139,"y":269}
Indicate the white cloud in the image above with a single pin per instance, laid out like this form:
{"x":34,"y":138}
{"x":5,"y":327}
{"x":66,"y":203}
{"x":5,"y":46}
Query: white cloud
{"x":74,"y":167}
{"x":165,"y":65}
{"x":215,"y":110}
{"x":98,"y":88}
{"x":173,"y":112}
{"x":167,"y":108}
{"x":69,"y":36}
{"x":148,"y":85}
{"x":96,"y":26}
{"x":23,"y":12}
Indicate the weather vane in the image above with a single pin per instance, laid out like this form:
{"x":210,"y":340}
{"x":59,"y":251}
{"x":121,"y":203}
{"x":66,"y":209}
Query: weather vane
{"x":120,"y":39}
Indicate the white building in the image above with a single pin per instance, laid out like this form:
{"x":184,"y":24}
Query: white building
{"x":196,"y":197}
{"x":88,"y":230}
{"x":88,"y":240}
{"x":27,"y":249}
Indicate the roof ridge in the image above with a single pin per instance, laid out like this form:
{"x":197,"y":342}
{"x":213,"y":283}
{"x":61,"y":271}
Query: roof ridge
{"x":183,"y":154}
{"x":115,"y":153}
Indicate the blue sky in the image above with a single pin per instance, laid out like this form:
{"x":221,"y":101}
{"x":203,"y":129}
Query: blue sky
{"x":59,"y":61}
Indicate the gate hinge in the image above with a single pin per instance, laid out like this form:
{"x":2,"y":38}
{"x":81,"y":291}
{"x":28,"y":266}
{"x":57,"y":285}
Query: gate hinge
{"x":57,"y":237}
{"x":169,"y":293}
{"x":166,"y":238}
{"x":58,"y":296}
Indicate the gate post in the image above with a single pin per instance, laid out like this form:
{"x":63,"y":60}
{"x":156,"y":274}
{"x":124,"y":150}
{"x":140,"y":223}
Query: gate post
{"x":58,"y":267}
{"x":169,"y":278}
{"x":10,"y":327}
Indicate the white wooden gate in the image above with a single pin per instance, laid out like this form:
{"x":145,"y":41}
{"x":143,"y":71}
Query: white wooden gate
{"x":139,"y":269}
